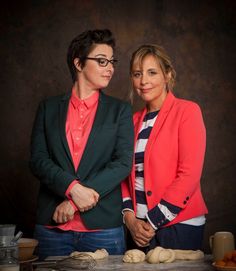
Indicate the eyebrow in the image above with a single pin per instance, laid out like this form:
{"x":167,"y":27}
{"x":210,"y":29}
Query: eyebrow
{"x":140,"y":70}
{"x":152,"y":69}
{"x":103,"y":55}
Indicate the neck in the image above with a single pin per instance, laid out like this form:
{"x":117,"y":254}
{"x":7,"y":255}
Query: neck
{"x":156,"y":104}
{"x":81,"y":92}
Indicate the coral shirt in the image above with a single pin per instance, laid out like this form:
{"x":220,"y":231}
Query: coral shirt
{"x":80,"y":118}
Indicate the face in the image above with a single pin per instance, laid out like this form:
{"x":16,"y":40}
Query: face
{"x":150,"y":82}
{"x":93,"y":76}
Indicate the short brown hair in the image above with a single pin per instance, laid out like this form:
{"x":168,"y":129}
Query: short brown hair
{"x":84,"y":43}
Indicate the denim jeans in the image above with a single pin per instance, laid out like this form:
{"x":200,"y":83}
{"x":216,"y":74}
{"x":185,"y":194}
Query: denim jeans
{"x":55,"y":242}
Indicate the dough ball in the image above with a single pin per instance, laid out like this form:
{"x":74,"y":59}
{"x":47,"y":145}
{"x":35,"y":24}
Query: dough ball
{"x":134,"y":256}
{"x":97,"y":255}
{"x":162,"y":255}
{"x":153,"y":255}
{"x":100,"y":254}
{"x":167,"y":256}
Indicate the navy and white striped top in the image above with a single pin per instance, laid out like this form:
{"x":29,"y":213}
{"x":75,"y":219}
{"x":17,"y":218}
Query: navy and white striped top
{"x":141,"y":143}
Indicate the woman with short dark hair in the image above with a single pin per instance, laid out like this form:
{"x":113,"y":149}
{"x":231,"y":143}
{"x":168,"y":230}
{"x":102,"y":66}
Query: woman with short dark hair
{"x":81,"y":150}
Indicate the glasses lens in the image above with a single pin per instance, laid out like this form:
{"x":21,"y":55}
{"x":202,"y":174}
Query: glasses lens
{"x":103,"y":62}
{"x":114,"y":62}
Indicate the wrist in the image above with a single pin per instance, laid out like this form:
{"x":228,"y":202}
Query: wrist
{"x":128,"y":217}
{"x":75,"y":189}
{"x":149,"y":221}
{"x":70,"y":187}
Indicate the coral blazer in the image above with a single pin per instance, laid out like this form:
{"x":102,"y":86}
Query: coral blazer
{"x":173,"y":159}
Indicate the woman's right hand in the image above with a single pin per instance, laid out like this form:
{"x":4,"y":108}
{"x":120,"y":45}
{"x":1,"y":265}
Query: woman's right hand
{"x":141,"y":231}
{"x":64,"y":212}
{"x":83,"y":197}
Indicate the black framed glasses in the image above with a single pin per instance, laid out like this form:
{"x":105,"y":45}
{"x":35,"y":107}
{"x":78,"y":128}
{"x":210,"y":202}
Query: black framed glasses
{"x":102,"y":61}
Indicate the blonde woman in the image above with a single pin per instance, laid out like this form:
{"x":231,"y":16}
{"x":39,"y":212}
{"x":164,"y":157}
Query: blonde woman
{"x":162,"y":199}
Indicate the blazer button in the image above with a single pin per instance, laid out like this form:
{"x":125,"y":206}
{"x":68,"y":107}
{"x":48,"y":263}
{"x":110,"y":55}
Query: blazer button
{"x":185,"y":202}
{"x":187,"y":198}
{"x":149,"y":193}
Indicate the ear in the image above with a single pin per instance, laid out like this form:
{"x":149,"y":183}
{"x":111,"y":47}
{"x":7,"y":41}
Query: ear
{"x":77,"y":64}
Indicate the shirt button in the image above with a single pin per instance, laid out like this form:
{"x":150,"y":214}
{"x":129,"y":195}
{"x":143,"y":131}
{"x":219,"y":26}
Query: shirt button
{"x":76,"y":153}
{"x":149,"y":193}
{"x":80,"y":128}
{"x":77,"y":138}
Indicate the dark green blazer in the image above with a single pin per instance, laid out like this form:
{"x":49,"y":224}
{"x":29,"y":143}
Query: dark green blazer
{"x":106,"y":161}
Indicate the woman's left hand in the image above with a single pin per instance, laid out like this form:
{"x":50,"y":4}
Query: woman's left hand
{"x":141,"y":231}
{"x":64,"y":212}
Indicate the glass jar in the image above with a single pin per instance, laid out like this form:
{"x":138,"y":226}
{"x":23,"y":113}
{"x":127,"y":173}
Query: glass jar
{"x":9,"y":258}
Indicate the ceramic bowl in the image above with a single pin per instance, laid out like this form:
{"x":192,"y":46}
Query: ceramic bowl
{"x":26,"y":248}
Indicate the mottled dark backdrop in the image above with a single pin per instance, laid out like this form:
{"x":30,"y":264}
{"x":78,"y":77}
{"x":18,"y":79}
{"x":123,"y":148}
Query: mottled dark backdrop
{"x":200,"y":37}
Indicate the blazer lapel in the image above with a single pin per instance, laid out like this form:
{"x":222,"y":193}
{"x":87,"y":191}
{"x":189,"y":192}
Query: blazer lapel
{"x":100,"y":117}
{"x":138,"y":123}
{"x":63,"y":107}
{"x":168,"y":103}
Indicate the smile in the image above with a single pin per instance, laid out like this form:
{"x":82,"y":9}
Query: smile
{"x":108,"y":77}
{"x":146,"y":90}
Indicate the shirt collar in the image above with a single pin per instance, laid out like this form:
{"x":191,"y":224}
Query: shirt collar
{"x":88,"y":102}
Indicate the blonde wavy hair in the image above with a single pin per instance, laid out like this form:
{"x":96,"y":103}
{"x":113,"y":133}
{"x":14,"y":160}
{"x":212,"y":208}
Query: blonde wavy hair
{"x":161,"y":56}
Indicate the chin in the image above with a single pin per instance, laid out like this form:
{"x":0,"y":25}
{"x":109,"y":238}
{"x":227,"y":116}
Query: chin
{"x":145,"y":98}
{"x":103,"y":86}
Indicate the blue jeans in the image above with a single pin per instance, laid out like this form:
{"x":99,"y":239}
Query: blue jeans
{"x":55,"y":242}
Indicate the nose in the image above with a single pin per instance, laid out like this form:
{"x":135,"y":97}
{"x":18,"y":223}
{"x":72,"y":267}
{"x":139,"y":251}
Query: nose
{"x":144,"y":79}
{"x":110,"y":67}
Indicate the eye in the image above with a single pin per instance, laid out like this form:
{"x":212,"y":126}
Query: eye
{"x":102,"y":61}
{"x":113,"y":61}
{"x":152,"y":73}
{"x":137,"y":74}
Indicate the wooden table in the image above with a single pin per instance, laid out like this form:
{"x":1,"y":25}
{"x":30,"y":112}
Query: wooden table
{"x":116,"y":263}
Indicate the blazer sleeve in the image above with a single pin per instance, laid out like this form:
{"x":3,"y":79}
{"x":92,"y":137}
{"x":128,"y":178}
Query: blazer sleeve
{"x":125,"y":189}
{"x":191,"y":144}
{"x":118,"y":168}
{"x":126,"y":196}
{"x":42,"y":166}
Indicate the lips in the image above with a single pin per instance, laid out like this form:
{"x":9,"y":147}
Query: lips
{"x":146,"y":90}
{"x":107,"y":77}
